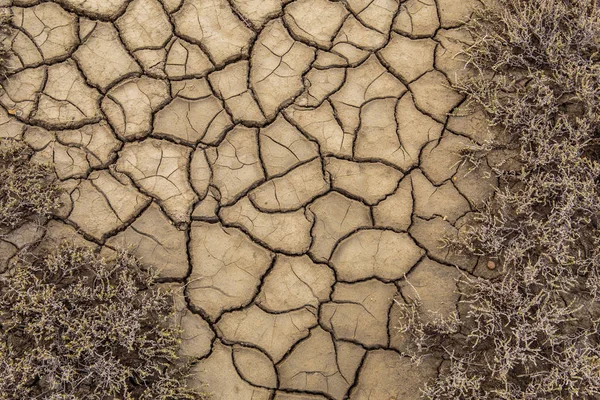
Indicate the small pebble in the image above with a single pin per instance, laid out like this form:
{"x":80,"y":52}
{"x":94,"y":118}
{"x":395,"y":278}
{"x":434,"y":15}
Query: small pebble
{"x":491,"y":265}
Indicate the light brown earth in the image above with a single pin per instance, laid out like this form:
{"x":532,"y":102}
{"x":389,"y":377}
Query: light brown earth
{"x":290,"y":166}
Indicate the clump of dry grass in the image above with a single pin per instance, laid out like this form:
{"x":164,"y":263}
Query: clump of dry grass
{"x":532,"y":333}
{"x":72,"y":324}
{"x":75,"y":326}
{"x":5,"y":31}
{"x":26,"y":188}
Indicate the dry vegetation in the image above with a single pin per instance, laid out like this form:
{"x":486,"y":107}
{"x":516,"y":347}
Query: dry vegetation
{"x":532,"y":332}
{"x":5,"y":19}
{"x":74,"y":326}
{"x":25,"y":187}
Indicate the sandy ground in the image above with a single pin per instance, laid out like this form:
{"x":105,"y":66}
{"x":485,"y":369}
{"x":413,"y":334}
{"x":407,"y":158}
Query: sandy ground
{"x":289,"y":165}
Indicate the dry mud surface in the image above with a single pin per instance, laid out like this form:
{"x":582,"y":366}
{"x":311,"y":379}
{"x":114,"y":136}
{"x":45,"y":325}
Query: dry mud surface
{"x":289,"y":165}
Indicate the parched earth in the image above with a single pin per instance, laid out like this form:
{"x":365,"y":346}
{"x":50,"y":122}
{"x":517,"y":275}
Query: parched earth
{"x":290,"y":166}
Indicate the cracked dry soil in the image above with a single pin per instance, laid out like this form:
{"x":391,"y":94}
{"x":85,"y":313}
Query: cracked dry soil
{"x":288,"y":164}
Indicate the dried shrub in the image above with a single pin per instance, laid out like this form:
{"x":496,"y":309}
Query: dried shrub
{"x":75,"y":326}
{"x":26,"y":188}
{"x":5,"y":38}
{"x":427,"y":330}
{"x":532,"y":332}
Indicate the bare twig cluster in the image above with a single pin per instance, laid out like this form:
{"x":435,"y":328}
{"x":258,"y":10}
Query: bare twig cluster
{"x":72,"y":324}
{"x":25,"y":187}
{"x":531,"y":333}
{"x":75,"y":326}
